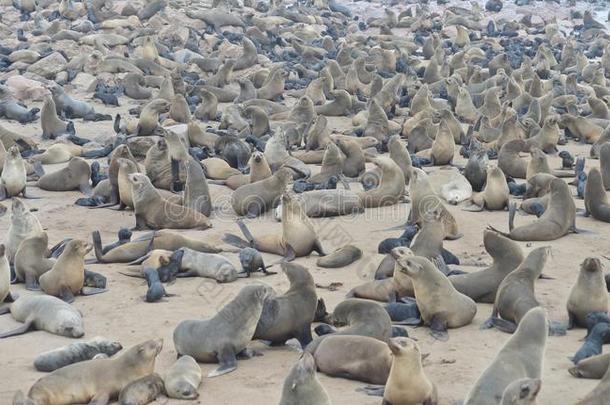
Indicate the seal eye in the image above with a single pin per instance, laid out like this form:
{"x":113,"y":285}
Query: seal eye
{"x":525,"y":391}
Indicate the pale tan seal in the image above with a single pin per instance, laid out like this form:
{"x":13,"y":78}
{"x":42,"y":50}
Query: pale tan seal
{"x":31,"y":260}
{"x":600,"y":394}
{"x":596,"y":199}
{"x":183,"y":379}
{"x":24,"y":224}
{"x":589,"y":293}
{"x":591,"y":367}
{"x":494,"y":196}
{"x":5,"y":276}
{"x":522,"y":392}
{"x":196,"y":191}
{"x":520,"y":357}
{"x":149,"y":117}
{"x":52,"y":126}
{"x":256,"y":198}
{"x":143,"y":390}
{"x":97,"y":380}
{"x":391,"y":187}
{"x":14,"y":174}
{"x":301,"y":386}
{"x":75,"y":176}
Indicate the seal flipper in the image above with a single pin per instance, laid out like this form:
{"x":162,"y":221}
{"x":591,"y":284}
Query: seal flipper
{"x":324,"y":329}
{"x":20,"y":330}
{"x":289,"y":253}
{"x":438,"y":328}
{"x":503,"y":325}
{"x":304,"y":336}
{"x":100,"y":398}
{"x":66,"y":295}
{"x":374,"y":391}
{"x":92,"y":290}
{"x":176,"y":185}
{"x":246,"y":232}
{"x":31,"y":283}
{"x":227,"y":360}
{"x":97,"y":246}
{"x":317,"y":247}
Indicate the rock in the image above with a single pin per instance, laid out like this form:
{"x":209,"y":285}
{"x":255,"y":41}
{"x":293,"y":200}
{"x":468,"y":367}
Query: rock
{"x":49,"y":66}
{"x":85,"y":82}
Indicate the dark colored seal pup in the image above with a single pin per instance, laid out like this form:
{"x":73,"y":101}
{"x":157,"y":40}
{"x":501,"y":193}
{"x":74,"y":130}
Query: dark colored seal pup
{"x":252,"y":261}
{"x":386,"y":245}
{"x":599,"y":335}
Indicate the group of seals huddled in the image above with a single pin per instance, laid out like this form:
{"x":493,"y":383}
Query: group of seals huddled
{"x":310,"y":110}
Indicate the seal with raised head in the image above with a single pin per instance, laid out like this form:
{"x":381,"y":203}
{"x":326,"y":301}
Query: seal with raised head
{"x":14,"y":174}
{"x":75,"y":352}
{"x":183,"y":379}
{"x":155,"y":212}
{"x":97,"y":380}
{"x":31,"y":260}
{"x":225,"y":335}
{"x":290,"y":315}
{"x":256,"y":198}
{"x":588,"y":294}
{"x":44,"y":312}
{"x":23,"y":225}
{"x":440,"y":304}
{"x":5,"y":277}
{"x":391,"y":187}
{"x":301,"y":386}
{"x":520,"y":357}
{"x":596,"y":199}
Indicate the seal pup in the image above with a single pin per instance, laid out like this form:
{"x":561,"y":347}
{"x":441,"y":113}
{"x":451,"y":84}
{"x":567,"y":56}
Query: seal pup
{"x":482,"y":285}
{"x":589,"y":293}
{"x":14,"y":174}
{"x":155,"y":212}
{"x":558,"y":220}
{"x":193,"y":263}
{"x":520,"y":357}
{"x":407,"y":383}
{"x":67,"y":276}
{"x":298,"y":236}
{"x":252,"y":261}
{"x":225,"y":335}
{"x":45,"y":312}
{"x":256,"y":198}
{"x":143,"y":390}
{"x":598,"y":335}
{"x":96,"y":380}
{"x":516,"y":295}
{"x":75,"y":352}
{"x":290,"y":315}
{"x":183,"y":379}
{"x":301,"y":386}
{"x":440,"y":304}
{"x":596,"y":200}
{"x":75,"y":176}
{"x":522,"y":392}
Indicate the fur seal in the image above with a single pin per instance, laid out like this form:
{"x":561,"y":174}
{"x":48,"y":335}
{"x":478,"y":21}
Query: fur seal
{"x":24,"y":224}
{"x":67,"y":276}
{"x":482,"y":285}
{"x":31,"y":260}
{"x":5,"y":276}
{"x":44,"y":312}
{"x":516,"y":296}
{"x":510,"y":161}
{"x":183,"y":379}
{"x":407,"y":383}
{"x":520,"y":357}
{"x":196,"y":191}
{"x":360,"y":358}
{"x":256,"y":198}
{"x":592,"y":367}
{"x":521,"y":392}
{"x":155,"y":212}
{"x":98,"y":379}
{"x":391,"y":186}
{"x":588,"y":294}
{"x":596,"y":200}
{"x":14,"y":174}
{"x":340,"y":258}
{"x":143,"y":390}
{"x":301,"y":386}
{"x":74,"y":353}
{"x":298,"y":236}
{"x":193,"y":263}
{"x":558,"y":220}
{"x":52,"y":126}
{"x":225,"y":335}
{"x":440,"y":304}
{"x":75,"y":176}
{"x":290,"y":315}
{"x":599,"y":395}
{"x":149,"y":116}
{"x":494,"y":197}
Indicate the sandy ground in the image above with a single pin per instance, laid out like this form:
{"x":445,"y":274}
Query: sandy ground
{"x":453,"y":366}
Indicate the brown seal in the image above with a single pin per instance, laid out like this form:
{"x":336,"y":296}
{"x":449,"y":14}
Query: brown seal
{"x":494,"y":197}
{"x":302,"y":386}
{"x":155,"y":212}
{"x":440,"y":304}
{"x":400,"y":155}
{"x":75,"y":176}
{"x":482,"y":285}
{"x":149,"y":117}
{"x":592,"y":367}
{"x":521,"y":392}
{"x":340,"y":258}
{"x":52,"y":126}
{"x":391,"y":186}
{"x":516,"y":295}
{"x":256,"y":198}
{"x":96,"y":380}
{"x":600,"y":394}
{"x":596,"y":200}
{"x":14,"y":174}
{"x":407,"y":383}
{"x":196,"y":191}
{"x":143,"y":390}
{"x":558,"y":220}
{"x":332,"y":165}
{"x":24,"y":224}
{"x":183,"y":379}
{"x":520,"y":357}
{"x":354,"y":164}
{"x":589,"y":294}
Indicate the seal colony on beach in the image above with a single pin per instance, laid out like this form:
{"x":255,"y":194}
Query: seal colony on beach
{"x":289,"y":191}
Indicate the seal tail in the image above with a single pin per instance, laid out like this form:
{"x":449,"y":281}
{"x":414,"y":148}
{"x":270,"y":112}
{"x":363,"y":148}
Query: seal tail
{"x":97,"y":246}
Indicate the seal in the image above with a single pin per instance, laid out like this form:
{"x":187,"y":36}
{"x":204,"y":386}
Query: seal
{"x":290,"y":315}
{"x":252,"y":261}
{"x":75,"y":352}
{"x":256,"y":198}
{"x":482,"y":285}
{"x":52,"y":126}
{"x":391,"y":187}
{"x":23,"y":225}
{"x":516,"y":296}
{"x":522,"y":391}
{"x":495,"y":195}
{"x":592,"y":367}
{"x":67,"y":276}
{"x":360,"y":358}
{"x":596,"y":200}
{"x":154,"y":212}
{"x":196,"y":191}
{"x":183,"y":379}
{"x":31,"y":260}
{"x":143,"y":390}
{"x":44,"y":312}
{"x":149,"y":116}
{"x":5,"y":277}
{"x":440,"y":304}
{"x":75,"y":176}
{"x":598,"y":334}
{"x":340,"y":258}
{"x":509,"y":160}
{"x":155,"y":290}
{"x":599,"y":393}
{"x":407,"y":383}
{"x":193,"y":263}
{"x":589,"y":294}
{"x":14,"y":174}
{"x":520,"y":357}
{"x":558,"y":220}
{"x":301,"y":386}
{"x":225,"y":335}
{"x":97,"y":379}
{"x":298,"y":236}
